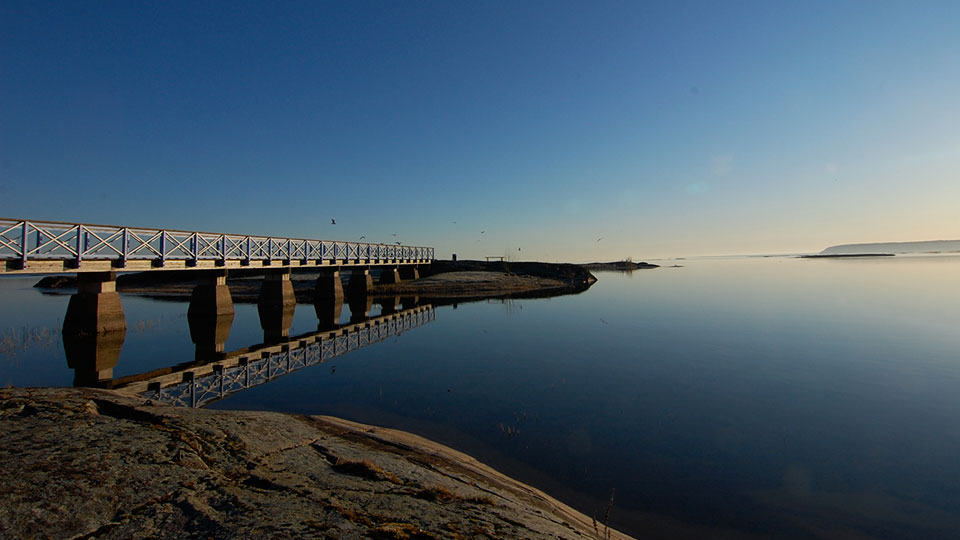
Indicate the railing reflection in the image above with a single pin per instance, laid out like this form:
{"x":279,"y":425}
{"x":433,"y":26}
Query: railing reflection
{"x":216,"y":374}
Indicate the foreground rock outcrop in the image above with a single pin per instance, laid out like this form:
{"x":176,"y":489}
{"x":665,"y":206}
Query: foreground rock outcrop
{"x":85,"y":463}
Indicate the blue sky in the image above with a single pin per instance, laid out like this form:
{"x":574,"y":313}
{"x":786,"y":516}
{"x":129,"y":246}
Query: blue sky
{"x":664,"y":128}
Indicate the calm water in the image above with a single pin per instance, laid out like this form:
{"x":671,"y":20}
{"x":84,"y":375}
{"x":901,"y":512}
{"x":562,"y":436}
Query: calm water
{"x":740,"y":398}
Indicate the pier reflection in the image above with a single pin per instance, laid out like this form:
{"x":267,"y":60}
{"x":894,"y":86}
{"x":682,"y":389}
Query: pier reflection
{"x":215,"y":373}
{"x":209,"y":333}
{"x":94,"y":329}
{"x":92,"y":357}
{"x":328,"y":314}
{"x":210,"y":315}
{"x":276,"y":306}
{"x":275,"y":320}
{"x":360,"y":307}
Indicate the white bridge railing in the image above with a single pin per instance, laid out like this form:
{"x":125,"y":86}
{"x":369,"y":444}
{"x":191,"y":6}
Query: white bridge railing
{"x":24,"y":241}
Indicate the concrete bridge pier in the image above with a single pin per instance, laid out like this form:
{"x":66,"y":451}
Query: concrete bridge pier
{"x":361,"y":282}
{"x":360,"y":306}
{"x":409,"y":273}
{"x":328,"y":314}
{"x":389,"y":275}
{"x":92,"y":357}
{"x":96,"y":307}
{"x":276,"y":306}
{"x":210,"y":315}
{"x":329,"y":287}
{"x":211,"y":297}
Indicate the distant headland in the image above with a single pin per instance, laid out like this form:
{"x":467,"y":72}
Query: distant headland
{"x":891,"y":248}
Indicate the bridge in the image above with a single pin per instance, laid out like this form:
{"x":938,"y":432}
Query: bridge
{"x":97,"y":253}
{"x":49,"y":247}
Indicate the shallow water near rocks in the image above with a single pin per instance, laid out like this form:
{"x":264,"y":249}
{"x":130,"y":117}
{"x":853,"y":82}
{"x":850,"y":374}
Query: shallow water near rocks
{"x":743,"y":398}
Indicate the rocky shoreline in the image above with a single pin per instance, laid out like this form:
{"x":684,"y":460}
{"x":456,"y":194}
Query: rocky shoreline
{"x":92,"y":463}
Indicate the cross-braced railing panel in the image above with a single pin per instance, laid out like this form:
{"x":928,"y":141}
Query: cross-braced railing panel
{"x":52,"y":242}
{"x":24,"y":240}
{"x":144,"y":244}
{"x":197,"y":391}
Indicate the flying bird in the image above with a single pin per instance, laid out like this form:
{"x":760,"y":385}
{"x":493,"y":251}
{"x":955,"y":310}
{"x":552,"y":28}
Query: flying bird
{"x":393,"y":234}
{"x":481,"y":232}
{"x":362,"y":237}
{"x":333,"y":221}
{"x":398,"y":243}
{"x":599,"y":239}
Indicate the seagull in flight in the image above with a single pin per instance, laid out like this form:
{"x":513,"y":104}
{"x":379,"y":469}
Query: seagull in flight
{"x":481,"y":232}
{"x":333,"y":221}
{"x":362,"y":237}
{"x":599,"y":239}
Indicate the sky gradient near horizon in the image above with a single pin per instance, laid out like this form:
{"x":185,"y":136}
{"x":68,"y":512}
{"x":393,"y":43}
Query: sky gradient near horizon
{"x":660,"y":128}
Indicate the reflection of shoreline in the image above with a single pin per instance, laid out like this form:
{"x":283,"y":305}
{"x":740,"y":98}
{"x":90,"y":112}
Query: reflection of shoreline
{"x":247,"y":292}
{"x":455,"y":280}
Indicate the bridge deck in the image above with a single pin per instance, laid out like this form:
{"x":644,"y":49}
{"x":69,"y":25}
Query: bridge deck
{"x":47,"y":247}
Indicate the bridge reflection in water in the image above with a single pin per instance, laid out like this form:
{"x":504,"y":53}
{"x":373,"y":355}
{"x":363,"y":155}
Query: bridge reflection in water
{"x":215,"y":373}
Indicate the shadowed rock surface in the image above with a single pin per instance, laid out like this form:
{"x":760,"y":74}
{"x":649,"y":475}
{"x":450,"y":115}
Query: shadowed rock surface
{"x":89,"y":463}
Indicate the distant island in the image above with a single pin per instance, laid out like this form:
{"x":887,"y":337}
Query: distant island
{"x":621,"y":266}
{"x":890,"y":248}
